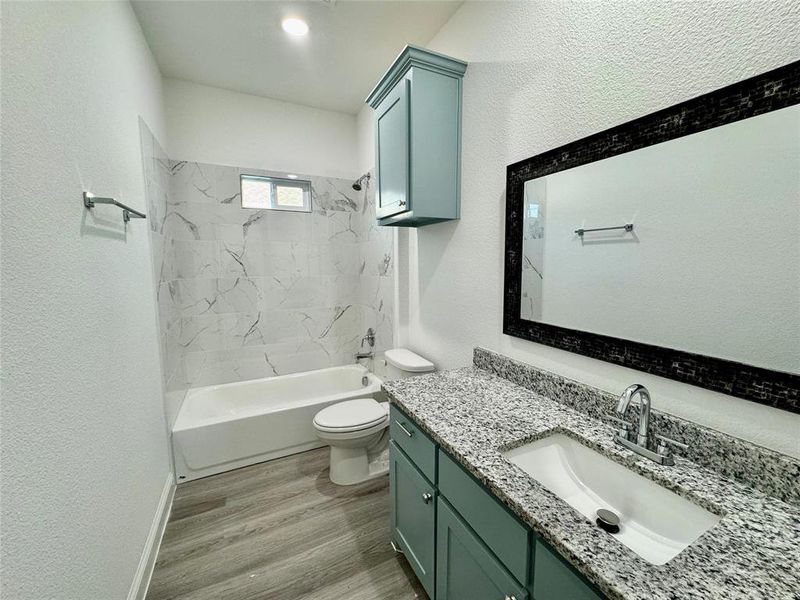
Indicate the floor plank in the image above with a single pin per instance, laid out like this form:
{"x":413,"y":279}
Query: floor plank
{"x":281,"y":530}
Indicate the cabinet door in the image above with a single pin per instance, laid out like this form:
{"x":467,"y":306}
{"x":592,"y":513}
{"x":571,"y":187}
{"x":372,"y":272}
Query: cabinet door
{"x":554,"y":578}
{"x":391,"y":152}
{"x":465,"y":568}
{"x":413,"y":515}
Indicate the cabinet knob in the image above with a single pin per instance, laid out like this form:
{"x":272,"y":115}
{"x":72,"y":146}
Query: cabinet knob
{"x":426,"y":497}
{"x":510,"y":598}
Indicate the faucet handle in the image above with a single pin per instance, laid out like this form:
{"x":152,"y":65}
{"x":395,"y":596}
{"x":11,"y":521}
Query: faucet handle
{"x":664,"y":442}
{"x":624,"y":427}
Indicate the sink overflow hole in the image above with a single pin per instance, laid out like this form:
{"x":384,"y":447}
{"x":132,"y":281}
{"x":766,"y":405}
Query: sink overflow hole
{"x":607,"y":520}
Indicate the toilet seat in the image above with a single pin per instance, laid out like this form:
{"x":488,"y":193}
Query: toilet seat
{"x":352,"y":416}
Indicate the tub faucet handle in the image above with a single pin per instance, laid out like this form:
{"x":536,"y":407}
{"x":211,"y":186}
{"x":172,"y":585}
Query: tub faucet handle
{"x":369,"y":338}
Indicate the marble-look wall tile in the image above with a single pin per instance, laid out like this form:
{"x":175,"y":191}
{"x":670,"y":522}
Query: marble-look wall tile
{"x":215,"y":296}
{"x":195,"y":259}
{"x":157,"y":184}
{"x":259,"y":293}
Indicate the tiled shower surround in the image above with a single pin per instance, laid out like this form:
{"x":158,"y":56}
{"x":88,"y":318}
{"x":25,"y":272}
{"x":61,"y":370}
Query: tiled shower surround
{"x":157,"y":183}
{"x":247,"y":293}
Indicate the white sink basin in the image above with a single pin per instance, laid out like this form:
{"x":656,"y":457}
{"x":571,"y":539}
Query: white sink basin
{"x":654,"y":522}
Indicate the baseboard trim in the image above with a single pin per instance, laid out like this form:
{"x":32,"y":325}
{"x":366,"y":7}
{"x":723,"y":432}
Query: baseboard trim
{"x":147,"y":562}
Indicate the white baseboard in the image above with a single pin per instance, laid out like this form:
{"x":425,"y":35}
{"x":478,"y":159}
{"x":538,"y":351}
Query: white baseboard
{"x":144,"y":571}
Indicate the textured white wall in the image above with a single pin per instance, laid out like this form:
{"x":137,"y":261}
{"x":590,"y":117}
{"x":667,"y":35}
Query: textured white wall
{"x":212,"y":125}
{"x":542,"y":74}
{"x":84,"y":446}
{"x":366,"y":139}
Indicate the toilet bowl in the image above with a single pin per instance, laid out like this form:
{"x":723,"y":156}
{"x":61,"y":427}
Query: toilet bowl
{"x":358,"y":434}
{"x":358,"y":430}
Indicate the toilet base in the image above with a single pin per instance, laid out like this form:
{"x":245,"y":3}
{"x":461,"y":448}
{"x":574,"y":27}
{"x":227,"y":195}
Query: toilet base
{"x":350,"y":466}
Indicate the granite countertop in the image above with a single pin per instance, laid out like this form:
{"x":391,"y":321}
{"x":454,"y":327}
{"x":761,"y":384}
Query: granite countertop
{"x":753,"y":552}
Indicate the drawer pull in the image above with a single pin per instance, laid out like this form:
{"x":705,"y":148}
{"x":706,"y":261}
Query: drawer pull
{"x":406,"y":431}
{"x":426,"y":498}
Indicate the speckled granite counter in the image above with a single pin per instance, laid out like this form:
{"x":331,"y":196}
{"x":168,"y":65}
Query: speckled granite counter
{"x":753,"y":552}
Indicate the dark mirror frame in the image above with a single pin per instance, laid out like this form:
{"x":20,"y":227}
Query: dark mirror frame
{"x":770,"y":91}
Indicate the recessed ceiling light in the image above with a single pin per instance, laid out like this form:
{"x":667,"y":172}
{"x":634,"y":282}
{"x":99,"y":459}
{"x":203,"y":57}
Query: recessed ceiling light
{"x":292,"y":176}
{"x":294,"y":26}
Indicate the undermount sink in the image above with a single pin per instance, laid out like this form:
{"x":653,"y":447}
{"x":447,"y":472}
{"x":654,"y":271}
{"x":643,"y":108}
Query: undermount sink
{"x":654,"y":522}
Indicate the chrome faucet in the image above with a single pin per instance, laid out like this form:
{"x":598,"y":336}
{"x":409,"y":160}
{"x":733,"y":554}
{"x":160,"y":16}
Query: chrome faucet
{"x":663,"y":454}
{"x":370,"y":339}
{"x":644,"y":413}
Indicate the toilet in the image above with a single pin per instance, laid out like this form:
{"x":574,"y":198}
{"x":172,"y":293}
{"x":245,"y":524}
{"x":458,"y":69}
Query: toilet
{"x":358,"y":430}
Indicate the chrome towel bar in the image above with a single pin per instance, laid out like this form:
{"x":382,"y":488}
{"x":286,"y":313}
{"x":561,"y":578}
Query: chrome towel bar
{"x":127,"y":212}
{"x":626,"y":227}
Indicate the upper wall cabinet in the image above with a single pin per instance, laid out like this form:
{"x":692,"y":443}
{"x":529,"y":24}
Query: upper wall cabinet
{"x":418,"y":139}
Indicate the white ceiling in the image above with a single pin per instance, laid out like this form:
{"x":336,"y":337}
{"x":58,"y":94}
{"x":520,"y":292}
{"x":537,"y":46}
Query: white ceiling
{"x":240,"y":46}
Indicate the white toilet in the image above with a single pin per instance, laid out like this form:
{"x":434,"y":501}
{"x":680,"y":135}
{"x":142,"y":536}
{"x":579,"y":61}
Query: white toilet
{"x":358,"y":430}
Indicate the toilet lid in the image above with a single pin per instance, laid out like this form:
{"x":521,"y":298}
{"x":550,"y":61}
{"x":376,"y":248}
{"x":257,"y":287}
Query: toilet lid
{"x":407,"y":360}
{"x":351,"y":415}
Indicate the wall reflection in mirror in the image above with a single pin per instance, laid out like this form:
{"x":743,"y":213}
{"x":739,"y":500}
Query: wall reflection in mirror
{"x":712,"y":265}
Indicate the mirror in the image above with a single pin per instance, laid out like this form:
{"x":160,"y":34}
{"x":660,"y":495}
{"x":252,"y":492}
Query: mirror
{"x":670,"y":244}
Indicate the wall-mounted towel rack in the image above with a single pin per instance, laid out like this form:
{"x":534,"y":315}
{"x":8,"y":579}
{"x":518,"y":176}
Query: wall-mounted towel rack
{"x":626,"y":227}
{"x":127,"y":212}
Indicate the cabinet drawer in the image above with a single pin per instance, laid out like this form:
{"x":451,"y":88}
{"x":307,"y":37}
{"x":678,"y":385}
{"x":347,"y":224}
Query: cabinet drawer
{"x":553,"y":579}
{"x":498,"y":528}
{"x":410,"y":438}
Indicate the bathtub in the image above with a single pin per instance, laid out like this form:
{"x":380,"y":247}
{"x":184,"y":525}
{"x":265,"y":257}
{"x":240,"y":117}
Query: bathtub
{"x":224,"y":427}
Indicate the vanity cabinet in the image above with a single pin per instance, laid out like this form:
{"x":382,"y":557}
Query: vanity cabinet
{"x":459,"y":539}
{"x":418,"y":139}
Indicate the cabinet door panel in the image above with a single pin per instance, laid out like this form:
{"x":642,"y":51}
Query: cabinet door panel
{"x":392,"y":160}
{"x":553,"y":579}
{"x":503,"y":534}
{"x":413,"y":515}
{"x":465,"y":568}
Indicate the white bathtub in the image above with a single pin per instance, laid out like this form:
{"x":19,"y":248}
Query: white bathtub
{"x":224,"y":427}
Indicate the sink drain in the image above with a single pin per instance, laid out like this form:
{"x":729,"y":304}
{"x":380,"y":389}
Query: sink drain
{"x":607,"y":520}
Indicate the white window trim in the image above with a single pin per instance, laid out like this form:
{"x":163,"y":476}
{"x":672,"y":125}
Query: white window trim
{"x":303,"y":184}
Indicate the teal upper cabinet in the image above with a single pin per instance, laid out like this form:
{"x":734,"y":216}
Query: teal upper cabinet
{"x":418,"y":139}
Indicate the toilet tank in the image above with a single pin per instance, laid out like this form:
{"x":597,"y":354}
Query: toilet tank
{"x":402,"y":363}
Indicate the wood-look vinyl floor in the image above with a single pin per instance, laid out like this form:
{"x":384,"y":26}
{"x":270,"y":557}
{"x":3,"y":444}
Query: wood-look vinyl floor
{"x":281,"y":530}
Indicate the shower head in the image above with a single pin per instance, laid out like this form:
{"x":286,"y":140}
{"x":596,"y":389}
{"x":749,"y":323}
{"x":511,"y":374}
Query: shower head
{"x":363,"y":179}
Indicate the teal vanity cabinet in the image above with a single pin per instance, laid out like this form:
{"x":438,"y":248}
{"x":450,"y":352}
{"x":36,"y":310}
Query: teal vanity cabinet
{"x":459,"y":539}
{"x":418,"y":139}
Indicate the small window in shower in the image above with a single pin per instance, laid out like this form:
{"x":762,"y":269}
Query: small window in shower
{"x":275,"y":193}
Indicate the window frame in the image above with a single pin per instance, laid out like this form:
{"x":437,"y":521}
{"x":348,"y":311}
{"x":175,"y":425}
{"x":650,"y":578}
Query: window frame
{"x":275,"y":182}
